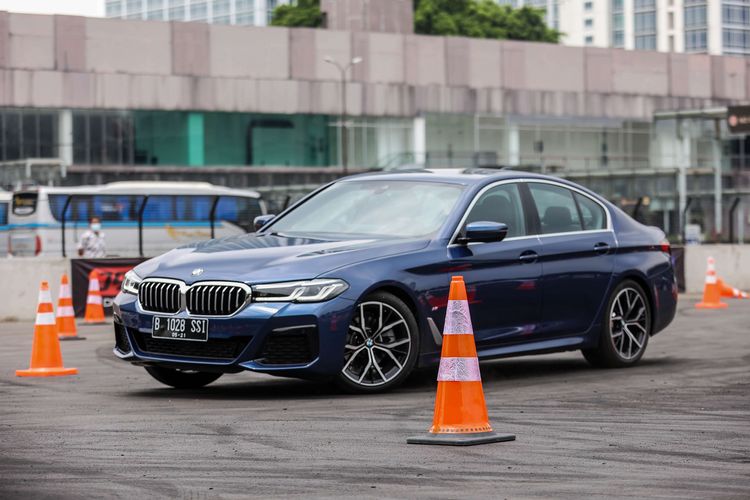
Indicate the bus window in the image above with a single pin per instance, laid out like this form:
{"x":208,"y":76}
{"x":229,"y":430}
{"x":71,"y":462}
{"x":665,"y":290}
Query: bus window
{"x":24,"y":203}
{"x":3,"y":214}
{"x":238,"y":210}
{"x":193,"y":208}
{"x":115,"y":208}
{"x":57,"y":204}
{"x":159,"y":208}
{"x":79,"y":210}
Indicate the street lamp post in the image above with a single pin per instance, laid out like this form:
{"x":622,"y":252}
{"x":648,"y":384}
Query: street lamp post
{"x":343,"y":141}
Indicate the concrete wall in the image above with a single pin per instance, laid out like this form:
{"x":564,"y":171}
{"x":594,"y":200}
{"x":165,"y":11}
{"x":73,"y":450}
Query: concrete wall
{"x":22,"y":277}
{"x":76,"y":62}
{"x":732,"y":265}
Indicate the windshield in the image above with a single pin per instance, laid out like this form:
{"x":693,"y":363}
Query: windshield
{"x":373,"y":208}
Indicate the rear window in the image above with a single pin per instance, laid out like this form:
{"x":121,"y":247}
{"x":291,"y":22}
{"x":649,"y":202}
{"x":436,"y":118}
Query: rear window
{"x":24,"y":203}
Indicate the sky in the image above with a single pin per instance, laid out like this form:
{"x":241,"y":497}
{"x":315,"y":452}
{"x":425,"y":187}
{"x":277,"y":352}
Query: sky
{"x":74,"y":7}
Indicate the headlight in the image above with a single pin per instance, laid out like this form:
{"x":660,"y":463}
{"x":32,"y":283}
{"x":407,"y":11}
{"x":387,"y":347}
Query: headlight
{"x":130,"y":283}
{"x":299,"y":291}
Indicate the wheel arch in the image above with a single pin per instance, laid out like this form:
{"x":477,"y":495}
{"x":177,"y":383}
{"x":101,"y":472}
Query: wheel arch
{"x":641,"y":279}
{"x":411,"y":301}
{"x":398,"y":291}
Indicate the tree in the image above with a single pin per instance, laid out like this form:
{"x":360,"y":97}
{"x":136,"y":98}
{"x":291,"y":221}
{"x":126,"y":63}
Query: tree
{"x":481,"y":19}
{"x":301,"y":14}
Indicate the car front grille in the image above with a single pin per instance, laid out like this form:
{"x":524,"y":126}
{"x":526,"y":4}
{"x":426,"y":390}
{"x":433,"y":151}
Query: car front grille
{"x":290,"y":346}
{"x":212,"y":349}
{"x":202,"y":299}
{"x":159,"y":296}
{"x":215,"y":299}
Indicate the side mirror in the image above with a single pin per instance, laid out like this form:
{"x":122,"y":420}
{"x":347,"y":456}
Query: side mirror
{"x":262,"y":220}
{"x":484,"y":232}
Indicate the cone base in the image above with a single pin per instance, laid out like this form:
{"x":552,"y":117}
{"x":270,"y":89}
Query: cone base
{"x":460,"y":439}
{"x":46,"y":372}
{"x":70,"y":337}
{"x":711,"y":305}
{"x":93,"y":323}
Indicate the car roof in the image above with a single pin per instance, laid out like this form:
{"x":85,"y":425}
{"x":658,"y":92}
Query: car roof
{"x":464,"y":176}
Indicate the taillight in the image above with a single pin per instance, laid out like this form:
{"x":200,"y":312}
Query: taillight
{"x":665,"y":247}
{"x":38,"y":246}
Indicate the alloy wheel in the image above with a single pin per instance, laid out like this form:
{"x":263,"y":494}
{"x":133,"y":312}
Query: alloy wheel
{"x":378,"y":344}
{"x":629,"y":323}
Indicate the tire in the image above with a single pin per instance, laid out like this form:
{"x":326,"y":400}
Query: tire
{"x":180,"y":379}
{"x":622,"y":342}
{"x":383,"y":356}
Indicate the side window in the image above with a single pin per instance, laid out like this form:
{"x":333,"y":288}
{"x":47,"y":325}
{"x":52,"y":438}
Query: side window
{"x":114,"y":207}
{"x":592,"y":213}
{"x":556,"y":207}
{"x":3,"y":214}
{"x":501,"y":204}
{"x":159,"y":208}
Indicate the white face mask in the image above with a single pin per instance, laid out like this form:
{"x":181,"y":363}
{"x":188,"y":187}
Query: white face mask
{"x":96,"y":226}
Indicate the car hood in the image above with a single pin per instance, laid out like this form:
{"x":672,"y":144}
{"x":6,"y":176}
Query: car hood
{"x":268,"y":258}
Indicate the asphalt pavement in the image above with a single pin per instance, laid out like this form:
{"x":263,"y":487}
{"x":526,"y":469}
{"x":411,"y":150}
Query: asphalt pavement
{"x":676,"y":426}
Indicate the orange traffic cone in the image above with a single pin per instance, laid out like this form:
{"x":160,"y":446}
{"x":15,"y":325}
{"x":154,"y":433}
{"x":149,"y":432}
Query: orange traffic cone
{"x":711,"y":291}
{"x":66,"y":318}
{"x":46,"y":359}
{"x":731,"y":292}
{"x":460,"y":411}
{"x":94,"y":309}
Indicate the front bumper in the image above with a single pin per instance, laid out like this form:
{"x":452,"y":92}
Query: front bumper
{"x":303,"y":340}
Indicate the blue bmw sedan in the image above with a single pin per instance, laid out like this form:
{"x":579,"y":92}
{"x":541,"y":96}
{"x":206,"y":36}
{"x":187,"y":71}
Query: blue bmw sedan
{"x":351,"y":283}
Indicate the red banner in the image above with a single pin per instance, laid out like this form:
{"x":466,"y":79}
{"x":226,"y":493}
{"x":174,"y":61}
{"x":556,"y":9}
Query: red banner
{"x":111,"y":273}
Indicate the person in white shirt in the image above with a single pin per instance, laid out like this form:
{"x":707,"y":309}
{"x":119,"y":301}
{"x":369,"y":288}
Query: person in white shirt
{"x":92,"y":244}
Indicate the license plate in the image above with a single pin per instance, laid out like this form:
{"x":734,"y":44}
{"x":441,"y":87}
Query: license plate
{"x":180,"y":328}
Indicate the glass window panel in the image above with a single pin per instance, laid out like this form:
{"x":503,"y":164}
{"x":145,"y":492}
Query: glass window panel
{"x":176,"y":14}
{"x":159,"y":209}
{"x":115,"y":208}
{"x":47,"y":140}
{"x":113,"y":8}
{"x":501,"y":204}
{"x":80,"y":138}
{"x":96,"y":138}
{"x":198,"y":10}
{"x":556,"y":207}
{"x":591,"y":212}
{"x":244,"y":19}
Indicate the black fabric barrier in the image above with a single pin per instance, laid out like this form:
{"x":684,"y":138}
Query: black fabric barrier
{"x":111,"y":272}
{"x":678,"y":261}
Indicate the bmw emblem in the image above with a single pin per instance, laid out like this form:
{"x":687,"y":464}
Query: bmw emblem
{"x":197,"y":272}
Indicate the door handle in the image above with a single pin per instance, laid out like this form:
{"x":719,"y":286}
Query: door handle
{"x":601,"y":248}
{"x":528,"y":257}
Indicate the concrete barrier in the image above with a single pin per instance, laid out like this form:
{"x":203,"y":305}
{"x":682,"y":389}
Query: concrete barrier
{"x":20,"y":281}
{"x":21,"y":276}
{"x":732,"y":265}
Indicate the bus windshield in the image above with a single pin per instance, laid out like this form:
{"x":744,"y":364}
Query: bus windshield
{"x":25,"y":203}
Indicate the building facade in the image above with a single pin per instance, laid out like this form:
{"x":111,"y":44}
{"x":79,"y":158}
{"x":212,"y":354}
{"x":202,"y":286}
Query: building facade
{"x":238,"y":12}
{"x":691,"y":26}
{"x":79,"y":90}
